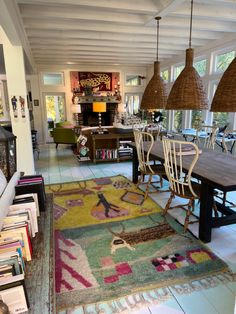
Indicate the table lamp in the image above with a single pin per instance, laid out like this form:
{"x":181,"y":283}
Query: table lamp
{"x":76,"y":110}
{"x":99,"y":107}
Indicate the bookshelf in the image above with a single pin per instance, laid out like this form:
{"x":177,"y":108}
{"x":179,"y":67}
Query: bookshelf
{"x":111,"y":147}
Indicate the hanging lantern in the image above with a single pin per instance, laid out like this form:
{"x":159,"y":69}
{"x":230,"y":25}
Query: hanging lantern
{"x":155,"y":94}
{"x":7,"y":153}
{"x":187,"y":92}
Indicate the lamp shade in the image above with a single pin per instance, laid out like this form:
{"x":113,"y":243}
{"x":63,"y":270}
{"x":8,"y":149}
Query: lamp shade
{"x":121,"y":108}
{"x":99,"y":107}
{"x":76,"y":109}
{"x":225,"y":96}
{"x":187,"y":92}
{"x":155,"y":94}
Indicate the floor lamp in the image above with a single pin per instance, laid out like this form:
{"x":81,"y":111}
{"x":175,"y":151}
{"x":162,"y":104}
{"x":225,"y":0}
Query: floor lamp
{"x":99,"y":107}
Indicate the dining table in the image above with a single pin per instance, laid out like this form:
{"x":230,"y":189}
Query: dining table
{"x":214,"y":170}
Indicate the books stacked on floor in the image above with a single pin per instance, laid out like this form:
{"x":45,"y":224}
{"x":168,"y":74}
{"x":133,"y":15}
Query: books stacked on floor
{"x":105,"y":153}
{"x":32,"y":184}
{"x":17,"y":229}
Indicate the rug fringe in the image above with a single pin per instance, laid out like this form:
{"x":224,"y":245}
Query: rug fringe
{"x":130,"y":304}
{"x":205,"y":283}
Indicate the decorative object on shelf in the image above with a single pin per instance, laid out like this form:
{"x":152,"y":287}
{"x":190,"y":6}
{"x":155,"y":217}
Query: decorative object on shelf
{"x":155,"y":94}
{"x":99,"y":107}
{"x":22,"y":106}
{"x":225,"y":96}
{"x":8,"y":153}
{"x":76,"y":110}
{"x":187,"y":92}
{"x":82,"y":149}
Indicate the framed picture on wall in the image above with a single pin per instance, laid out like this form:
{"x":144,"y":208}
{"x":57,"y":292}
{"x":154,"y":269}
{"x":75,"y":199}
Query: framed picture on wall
{"x":36,"y":102}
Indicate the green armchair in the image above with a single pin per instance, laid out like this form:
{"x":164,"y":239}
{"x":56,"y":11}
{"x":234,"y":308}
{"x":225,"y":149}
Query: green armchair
{"x":64,"y":136}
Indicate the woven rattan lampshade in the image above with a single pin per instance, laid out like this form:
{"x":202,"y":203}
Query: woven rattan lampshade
{"x":225,"y":96}
{"x":187,"y":92}
{"x":155,"y":95}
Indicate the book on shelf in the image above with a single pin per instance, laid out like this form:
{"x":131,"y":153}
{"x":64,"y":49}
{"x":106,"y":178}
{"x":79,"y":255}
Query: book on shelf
{"x":20,"y":234}
{"x":15,"y":298}
{"x":32,"y":184}
{"x":29,"y":208}
{"x":29,"y":197}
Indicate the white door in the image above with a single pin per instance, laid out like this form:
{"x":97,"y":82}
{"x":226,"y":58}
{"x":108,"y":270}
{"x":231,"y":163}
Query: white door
{"x":55,"y":111}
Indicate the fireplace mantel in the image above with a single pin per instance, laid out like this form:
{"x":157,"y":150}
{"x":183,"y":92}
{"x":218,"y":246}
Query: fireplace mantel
{"x":91,"y":99}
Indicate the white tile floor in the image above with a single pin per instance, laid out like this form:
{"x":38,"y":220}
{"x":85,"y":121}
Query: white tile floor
{"x":62,"y":166}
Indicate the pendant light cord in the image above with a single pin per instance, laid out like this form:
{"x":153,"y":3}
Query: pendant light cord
{"x":191,"y":22}
{"x":157,"y":19}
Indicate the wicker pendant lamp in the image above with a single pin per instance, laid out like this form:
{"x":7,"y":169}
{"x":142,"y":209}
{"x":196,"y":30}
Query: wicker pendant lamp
{"x":155,"y":95}
{"x":225,"y":96}
{"x":187,"y":92}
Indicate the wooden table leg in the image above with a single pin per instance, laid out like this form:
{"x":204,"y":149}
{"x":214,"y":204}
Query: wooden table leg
{"x":205,"y":221}
{"x":135,"y":165}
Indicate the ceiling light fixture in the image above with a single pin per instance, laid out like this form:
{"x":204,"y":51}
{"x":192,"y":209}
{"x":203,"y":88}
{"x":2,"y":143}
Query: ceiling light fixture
{"x":187,"y":92}
{"x":155,"y":95}
{"x":224,"y":99}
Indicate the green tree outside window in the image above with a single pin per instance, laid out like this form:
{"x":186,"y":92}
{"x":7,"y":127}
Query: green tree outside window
{"x":223,"y":60}
{"x":200,"y":66}
{"x":178,"y":118}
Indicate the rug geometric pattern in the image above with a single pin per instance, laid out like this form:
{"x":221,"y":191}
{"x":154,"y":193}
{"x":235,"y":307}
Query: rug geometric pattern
{"x":110,"y":243}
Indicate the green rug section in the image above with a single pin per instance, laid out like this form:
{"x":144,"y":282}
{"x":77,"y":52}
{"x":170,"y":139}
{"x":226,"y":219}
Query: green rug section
{"x":111,"y":260}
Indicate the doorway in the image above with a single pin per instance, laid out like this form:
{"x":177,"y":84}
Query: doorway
{"x":55,"y":111}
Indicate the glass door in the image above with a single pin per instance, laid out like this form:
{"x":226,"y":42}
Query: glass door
{"x":55,"y":111}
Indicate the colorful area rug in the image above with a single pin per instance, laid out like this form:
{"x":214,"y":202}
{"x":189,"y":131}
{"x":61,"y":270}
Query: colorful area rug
{"x":101,"y":200}
{"x":121,"y":257}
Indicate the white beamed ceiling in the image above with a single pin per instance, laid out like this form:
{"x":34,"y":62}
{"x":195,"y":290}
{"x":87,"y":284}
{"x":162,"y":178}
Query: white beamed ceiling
{"x":120,"y":32}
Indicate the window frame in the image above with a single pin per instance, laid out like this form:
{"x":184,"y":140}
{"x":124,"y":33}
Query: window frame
{"x":54,"y":72}
{"x":135,"y":75}
{"x":220,"y":52}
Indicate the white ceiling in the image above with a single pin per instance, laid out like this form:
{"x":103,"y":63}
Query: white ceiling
{"x":120,"y":32}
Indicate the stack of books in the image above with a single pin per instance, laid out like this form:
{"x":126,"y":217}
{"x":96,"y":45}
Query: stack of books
{"x":32,"y":184}
{"x":17,"y":230}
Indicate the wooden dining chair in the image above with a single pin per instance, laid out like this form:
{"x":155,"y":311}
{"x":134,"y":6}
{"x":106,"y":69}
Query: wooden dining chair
{"x":180,"y":182}
{"x":146,"y":140}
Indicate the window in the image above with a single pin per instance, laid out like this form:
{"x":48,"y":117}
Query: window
{"x":196,"y":119}
{"x":133,"y":80}
{"x":178,"y":118}
{"x":53,"y":79}
{"x":164,"y":121}
{"x":223,"y":60}
{"x":200,"y":66}
{"x":133,"y":103}
{"x":219,"y":118}
{"x":177,"y":70}
{"x":165,"y":75}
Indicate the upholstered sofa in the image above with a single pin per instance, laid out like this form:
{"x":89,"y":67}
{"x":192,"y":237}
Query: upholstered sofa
{"x":64,"y":133}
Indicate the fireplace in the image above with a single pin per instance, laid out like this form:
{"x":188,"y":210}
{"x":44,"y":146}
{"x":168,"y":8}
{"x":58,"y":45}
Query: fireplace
{"x":90,"y":118}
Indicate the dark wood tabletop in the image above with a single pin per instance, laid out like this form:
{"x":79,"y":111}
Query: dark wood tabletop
{"x":215,"y":170}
